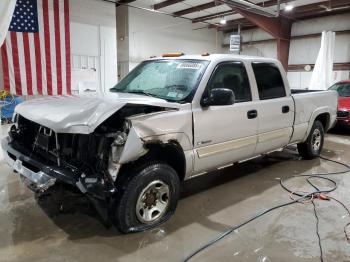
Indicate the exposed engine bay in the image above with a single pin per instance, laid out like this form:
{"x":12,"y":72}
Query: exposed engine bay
{"x":92,"y":160}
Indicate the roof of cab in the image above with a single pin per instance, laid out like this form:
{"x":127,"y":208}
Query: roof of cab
{"x":213,"y":57}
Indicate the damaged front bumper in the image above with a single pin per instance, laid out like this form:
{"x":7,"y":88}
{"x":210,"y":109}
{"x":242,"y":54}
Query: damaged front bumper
{"x":39,"y":177}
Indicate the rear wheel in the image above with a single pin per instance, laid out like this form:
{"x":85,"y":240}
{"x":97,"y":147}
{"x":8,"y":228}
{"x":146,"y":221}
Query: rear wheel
{"x":313,"y":145}
{"x":149,"y":198}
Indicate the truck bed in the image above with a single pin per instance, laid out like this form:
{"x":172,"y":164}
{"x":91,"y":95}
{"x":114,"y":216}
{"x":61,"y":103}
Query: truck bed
{"x":309,"y":104}
{"x":302,"y":91}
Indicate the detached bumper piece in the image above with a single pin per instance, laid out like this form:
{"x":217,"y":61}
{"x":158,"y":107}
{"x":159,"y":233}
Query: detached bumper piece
{"x":39,"y":177}
{"x":37,"y":181}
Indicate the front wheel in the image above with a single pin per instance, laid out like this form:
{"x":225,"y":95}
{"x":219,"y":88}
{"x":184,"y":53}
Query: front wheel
{"x":313,"y":145}
{"x":149,"y":197}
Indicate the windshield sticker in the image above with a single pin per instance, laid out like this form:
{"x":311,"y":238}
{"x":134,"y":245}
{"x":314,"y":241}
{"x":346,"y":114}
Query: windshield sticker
{"x":180,"y":95}
{"x":195,"y":66}
{"x":172,"y":94}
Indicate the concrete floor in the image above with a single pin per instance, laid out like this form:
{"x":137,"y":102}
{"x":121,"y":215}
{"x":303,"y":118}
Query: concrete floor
{"x":209,"y":205}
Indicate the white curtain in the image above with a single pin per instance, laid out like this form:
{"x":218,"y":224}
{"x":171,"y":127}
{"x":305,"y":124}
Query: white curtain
{"x":6,"y":11}
{"x":321,"y":78}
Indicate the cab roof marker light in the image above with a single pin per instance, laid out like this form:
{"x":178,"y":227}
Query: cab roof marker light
{"x":173,"y":55}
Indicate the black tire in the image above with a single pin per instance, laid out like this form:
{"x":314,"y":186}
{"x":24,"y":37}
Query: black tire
{"x":125,"y":217}
{"x":308,"y":150}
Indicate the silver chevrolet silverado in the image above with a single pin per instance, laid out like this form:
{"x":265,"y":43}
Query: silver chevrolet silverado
{"x":170,"y":119}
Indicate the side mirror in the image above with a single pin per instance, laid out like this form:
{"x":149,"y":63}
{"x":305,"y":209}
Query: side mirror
{"x":219,"y":97}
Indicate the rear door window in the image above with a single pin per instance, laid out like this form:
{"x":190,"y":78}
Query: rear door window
{"x":269,"y":81}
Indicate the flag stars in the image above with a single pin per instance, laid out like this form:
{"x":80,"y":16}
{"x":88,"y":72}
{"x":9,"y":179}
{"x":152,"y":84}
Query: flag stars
{"x":24,"y":18}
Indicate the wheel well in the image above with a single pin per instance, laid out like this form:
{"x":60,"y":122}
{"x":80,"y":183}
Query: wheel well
{"x":324,"y":118}
{"x":170,"y":153}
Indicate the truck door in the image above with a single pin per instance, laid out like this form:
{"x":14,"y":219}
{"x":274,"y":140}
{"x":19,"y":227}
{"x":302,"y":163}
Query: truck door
{"x":275,"y":109}
{"x":228,"y":133}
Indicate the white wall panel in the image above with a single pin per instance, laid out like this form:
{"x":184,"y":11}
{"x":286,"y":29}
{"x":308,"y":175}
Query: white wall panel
{"x":305,"y":51}
{"x":84,"y":39}
{"x":317,"y":25}
{"x":301,"y":80}
{"x":108,"y":57}
{"x":264,"y":49}
{"x":93,"y":45}
{"x":153,"y":34}
{"x":94,"y":12}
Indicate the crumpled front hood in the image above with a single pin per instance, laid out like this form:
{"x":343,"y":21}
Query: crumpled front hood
{"x":73,"y":114}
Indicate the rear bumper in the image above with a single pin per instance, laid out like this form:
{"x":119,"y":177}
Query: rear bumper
{"x":39,"y":176}
{"x":343,"y":121}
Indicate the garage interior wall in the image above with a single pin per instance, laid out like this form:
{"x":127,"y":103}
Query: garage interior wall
{"x":93,"y":46}
{"x":302,"y":50}
{"x":151,"y":34}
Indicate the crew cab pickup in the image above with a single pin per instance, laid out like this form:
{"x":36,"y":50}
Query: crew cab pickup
{"x":170,"y":119}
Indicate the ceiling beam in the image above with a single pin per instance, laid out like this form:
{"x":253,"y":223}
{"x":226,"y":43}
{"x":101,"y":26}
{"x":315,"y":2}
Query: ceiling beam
{"x":197,"y":8}
{"x":232,"y":24}
{"x":166,"y":3}
{"x":331,"y":4}
{"x":300,"y":13}
{"x":213,"y":16}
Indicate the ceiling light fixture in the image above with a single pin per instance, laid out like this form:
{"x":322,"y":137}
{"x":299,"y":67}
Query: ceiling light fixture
{"x":288,"y":7}
{"x":223,"y":21}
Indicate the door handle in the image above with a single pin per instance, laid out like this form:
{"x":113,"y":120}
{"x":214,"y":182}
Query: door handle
{"x":252,"y":114}
{"x":285,"y":109}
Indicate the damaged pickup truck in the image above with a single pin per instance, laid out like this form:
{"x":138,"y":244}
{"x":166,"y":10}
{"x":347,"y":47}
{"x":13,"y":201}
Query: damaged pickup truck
{"x":170,"y":119}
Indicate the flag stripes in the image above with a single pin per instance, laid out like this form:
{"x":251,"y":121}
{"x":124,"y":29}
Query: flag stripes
{"x":36,"y":58}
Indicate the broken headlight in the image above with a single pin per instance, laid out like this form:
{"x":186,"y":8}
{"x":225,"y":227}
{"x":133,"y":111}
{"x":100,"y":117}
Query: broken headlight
{"x":126,"y":126}
{"x":119,"y":141}
{"x":120,"y":138}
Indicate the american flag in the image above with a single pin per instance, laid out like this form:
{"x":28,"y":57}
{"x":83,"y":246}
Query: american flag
{"x":36,"y":52}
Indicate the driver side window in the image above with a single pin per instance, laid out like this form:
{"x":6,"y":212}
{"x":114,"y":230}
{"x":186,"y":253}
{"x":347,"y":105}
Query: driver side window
{"x":233,"y":76}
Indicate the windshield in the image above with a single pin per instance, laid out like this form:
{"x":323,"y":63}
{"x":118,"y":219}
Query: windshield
{"x":343,"y":89}
{"x":172,"y":80}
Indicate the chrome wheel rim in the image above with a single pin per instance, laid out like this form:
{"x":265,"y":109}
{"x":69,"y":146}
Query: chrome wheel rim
{"x":152,"y":202}
{"x":316,"y":140}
